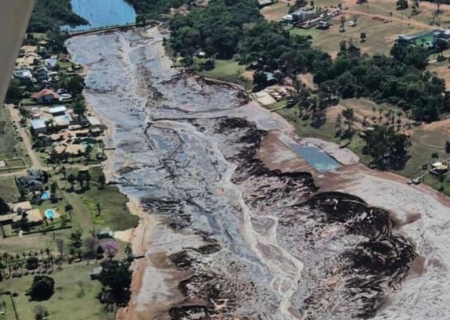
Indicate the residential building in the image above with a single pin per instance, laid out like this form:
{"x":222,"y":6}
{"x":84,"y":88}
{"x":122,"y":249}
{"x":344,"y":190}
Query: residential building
{"x":45,"y":96}
{"x":94,"y":122}
{"x":41,"y":73}
{"x":38,"y":126}
{"x":23,"y":74}
{"x":57,"y":110}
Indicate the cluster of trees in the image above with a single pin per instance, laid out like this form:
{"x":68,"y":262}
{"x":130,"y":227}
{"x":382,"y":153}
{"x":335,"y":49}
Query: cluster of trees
{"x":388,"y":149}
{"x":217,"y":28}
{"x":232,"y":28}
{"x":51,"y":14}
{"x":399,"y":80}
{"x":155,"y":8}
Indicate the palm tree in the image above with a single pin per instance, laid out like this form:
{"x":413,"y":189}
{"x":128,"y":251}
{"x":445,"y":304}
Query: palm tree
{"x":68,"y":208}
{"x":87,"y":152}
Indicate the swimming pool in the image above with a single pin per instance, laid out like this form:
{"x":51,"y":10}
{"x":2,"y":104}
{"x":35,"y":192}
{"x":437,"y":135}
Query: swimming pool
{"x":316,"y":158}
{"x":50,"y":214}
{"x":45,"y":195}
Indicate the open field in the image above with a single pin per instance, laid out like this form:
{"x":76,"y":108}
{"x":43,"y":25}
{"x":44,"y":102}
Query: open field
{"x":10,"y":146}
{"x":380,"y":36}
{"x":227,"y":70}
{"x":8,"y":189}
{"x":75,"y":295}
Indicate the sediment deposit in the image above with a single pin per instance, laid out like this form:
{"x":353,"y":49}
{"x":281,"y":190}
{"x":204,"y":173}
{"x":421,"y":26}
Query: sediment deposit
{"x":237,"y":232}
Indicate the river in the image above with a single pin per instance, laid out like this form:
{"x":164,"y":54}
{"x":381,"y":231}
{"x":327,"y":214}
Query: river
{"x":102,"y":13}
{"x":238,"y":227}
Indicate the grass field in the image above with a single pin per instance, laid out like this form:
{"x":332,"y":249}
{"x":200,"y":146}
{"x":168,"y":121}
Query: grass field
{"x":8,"y":189}
{"x":75,"y":295}
{"x":227,"y":70}
{"x":10,"y":146}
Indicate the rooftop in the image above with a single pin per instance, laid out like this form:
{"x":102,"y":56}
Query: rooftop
{"x":42,"y":93}
{"x":57,"y":109}
{"x":38,"y":124}
{"x":94,"y":121}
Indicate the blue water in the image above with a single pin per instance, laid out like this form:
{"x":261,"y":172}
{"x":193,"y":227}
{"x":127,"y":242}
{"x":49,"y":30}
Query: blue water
{"x":50,"y":214}
{"x":316,"y":158}
{"x":45,"y":195}
{"x":102,"y":13}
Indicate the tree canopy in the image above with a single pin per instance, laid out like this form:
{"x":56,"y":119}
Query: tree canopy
{"x":216,"y":29}
{"x":42,"y":288}
{"x":51,"y":14}
{"x":387,"y":148}
{"x":116,"y":277}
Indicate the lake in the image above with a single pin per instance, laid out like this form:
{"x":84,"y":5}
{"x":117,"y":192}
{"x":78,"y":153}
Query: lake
{"x":102,"y":13}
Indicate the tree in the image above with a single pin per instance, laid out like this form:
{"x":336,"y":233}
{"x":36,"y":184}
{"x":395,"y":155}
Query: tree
{"x":447,"y":147}
{"x":14,"y":92}
{"x":69,"y":208}
{"x":87,"y":177}
{"x":64,"y":172}
{"x":348,"y":115}
{"x":71,"y":179}
{"x":116,"y":276}
{"x":75,"y":84}
{"x":102,"y":180}
{"x":91,"y":244}
{"x":87,"y":152}
{"x":76,"y":238}
{"x":442,"y":45}
{"x":4,"y":208}
{"x":363,"y":36}
{"x":79,"y":108}
{"x":387,"y":148}
{"x":100,"y":252}
{"x":80,"y":179}
{"x":40,"y":312}
{"x":110,"y":248}
{"x":61,"y":246}
{"x":260,"y":79}
{"x":32,"y":263}
{"x":42,"y":288}
{"x":402,"y":4}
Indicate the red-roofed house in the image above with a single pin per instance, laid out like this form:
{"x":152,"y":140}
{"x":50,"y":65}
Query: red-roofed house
{"x":45,"y":96}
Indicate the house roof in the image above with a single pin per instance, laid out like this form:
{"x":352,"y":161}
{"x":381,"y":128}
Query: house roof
{"x":57,"y":109}
{"x":94,"y":121}
{"x":38,"y":124}
{"x":59,"y":149}
{"x":26,"y":205}
{"x":45,"y":92}
{"x":74,"y":148}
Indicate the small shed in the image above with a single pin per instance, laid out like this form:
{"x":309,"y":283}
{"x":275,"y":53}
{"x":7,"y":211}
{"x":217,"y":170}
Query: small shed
{"x":39,"y":126}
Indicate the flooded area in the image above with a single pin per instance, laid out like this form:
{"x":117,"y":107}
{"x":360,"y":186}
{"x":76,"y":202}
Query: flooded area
{"x":234,"y":224}
{"x":102,"y":13}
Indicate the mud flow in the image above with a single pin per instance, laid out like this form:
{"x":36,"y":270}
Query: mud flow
{"x":234,"y":240}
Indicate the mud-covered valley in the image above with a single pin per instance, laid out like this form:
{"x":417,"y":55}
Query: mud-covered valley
{"x":234,"y":224}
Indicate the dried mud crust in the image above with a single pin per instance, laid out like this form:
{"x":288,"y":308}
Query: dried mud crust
{"x":363,"y":257}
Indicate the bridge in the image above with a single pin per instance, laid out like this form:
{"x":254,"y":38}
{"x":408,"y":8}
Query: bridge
{"x":123,"y":27}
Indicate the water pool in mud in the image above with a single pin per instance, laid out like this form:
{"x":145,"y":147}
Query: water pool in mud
{"x":315,"y":157}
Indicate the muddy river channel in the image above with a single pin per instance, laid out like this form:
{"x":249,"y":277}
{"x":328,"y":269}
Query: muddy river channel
{"x":236,"y":224}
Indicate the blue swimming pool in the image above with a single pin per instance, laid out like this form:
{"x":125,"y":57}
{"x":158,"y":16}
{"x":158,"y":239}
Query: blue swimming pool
{"x":45,"y":195}
{"x":50,"y":214}
{"x":316,"y":158}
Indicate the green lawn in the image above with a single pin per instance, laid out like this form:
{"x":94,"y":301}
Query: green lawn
{"x":10,"y":146}
{"x":227,"y":70}
{"x":75,"y":295}
{"x":8,"y":189}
